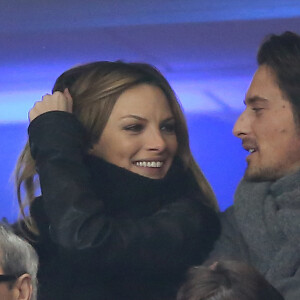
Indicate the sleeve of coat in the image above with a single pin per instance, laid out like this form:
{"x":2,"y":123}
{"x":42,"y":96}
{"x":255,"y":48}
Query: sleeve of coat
{"x":78,"y":224}
{"x":289,"y":287}
{"x":230,"y":244}
{"x":285,"y":273}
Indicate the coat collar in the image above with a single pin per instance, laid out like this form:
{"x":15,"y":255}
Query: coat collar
{"x":124,"y":191}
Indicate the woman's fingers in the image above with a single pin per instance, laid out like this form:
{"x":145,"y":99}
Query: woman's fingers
{"x":69,"y":100}
{"x":57,"y":101}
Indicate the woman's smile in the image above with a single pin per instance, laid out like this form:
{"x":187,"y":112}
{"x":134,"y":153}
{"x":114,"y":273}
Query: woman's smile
{"x":140,"y":134}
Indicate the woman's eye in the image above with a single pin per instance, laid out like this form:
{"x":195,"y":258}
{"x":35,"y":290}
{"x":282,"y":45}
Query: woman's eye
{"x":134,"y":128}
{"x":169,"y":128}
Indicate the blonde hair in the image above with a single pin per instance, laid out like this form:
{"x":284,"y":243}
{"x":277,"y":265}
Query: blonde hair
{"x":95,"y":88}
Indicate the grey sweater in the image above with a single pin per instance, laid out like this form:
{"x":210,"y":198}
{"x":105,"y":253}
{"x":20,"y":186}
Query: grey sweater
{"x":262,"y":228}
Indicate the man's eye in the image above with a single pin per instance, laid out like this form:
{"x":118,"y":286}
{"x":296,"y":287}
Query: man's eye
{"x":168,"y":128}
{"x":257,"y":109}
{"x":134,"y":128}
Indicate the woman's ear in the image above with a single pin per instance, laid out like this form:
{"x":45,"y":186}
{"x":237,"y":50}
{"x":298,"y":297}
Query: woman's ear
{"x":91,"y":149}
{"x":95,"y":149}
{"x":23,"y":288}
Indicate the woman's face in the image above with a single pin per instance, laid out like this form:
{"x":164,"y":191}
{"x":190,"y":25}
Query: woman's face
{"x":140,"y":133}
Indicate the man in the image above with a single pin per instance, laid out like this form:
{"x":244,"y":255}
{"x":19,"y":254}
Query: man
{"x":262,"y":228}
{"x":18,"y":267}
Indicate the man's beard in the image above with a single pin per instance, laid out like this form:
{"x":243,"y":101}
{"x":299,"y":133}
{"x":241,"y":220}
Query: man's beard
{"x":259,"y":174}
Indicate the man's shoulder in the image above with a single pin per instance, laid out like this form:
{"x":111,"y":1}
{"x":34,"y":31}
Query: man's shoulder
{"x":227,"y":214}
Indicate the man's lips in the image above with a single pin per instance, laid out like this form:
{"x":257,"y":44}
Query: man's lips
{"x":252,"y":150}
{"x":250,"y":146}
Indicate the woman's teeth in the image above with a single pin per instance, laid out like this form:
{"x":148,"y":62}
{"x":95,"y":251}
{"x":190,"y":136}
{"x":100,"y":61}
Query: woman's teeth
{"x":149,"y":164}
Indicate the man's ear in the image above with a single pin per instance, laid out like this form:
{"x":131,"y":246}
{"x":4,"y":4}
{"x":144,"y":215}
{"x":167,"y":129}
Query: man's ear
{"x":23,"y":288}
{"x":214,"y":266}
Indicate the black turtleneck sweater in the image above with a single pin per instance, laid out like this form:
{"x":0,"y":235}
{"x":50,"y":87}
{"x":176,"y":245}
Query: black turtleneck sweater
{"x":108,"y":233}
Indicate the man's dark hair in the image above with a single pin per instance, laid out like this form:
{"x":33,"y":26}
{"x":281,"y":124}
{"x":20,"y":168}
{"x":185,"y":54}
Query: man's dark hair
{"x":282,"y":54}
{"x":227,"y":280}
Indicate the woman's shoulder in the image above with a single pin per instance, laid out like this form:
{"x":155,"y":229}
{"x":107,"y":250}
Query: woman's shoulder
{"x":33,"y":226}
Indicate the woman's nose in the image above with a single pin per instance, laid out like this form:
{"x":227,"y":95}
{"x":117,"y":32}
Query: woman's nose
{"x":156,"y":141}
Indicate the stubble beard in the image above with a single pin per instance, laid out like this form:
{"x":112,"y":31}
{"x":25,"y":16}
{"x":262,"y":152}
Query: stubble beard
{"x":259,"y":174}
{"x":274,"y":171}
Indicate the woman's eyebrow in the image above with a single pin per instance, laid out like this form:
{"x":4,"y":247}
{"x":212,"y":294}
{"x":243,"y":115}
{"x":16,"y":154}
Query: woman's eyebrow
{"x":133,"y":116}
{"x":144,"y":119}
{"x":168,"y":119}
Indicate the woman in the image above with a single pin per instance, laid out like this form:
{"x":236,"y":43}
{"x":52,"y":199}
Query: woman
{"x":124,"y":209}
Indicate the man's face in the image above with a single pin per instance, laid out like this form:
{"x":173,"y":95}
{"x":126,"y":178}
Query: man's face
{"x":19,"y":289}
{"x":6,"y":292}
{"x":267,"y":129}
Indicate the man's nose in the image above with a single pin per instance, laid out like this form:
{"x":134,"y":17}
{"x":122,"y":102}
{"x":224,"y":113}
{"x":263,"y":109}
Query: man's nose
{"x":242,"y":125}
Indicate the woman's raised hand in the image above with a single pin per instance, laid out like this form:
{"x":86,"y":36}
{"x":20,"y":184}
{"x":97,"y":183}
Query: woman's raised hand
{"x":56,"y":101}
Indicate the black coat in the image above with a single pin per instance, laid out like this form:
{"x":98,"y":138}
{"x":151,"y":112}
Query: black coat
{"x":108,"y":233}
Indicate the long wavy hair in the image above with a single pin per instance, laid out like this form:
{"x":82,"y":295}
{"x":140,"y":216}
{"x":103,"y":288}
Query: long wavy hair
{"x":95,"y":88}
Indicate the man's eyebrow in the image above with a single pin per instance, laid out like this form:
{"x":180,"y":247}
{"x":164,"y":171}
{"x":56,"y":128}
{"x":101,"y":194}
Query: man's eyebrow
{"x":254,"y":99}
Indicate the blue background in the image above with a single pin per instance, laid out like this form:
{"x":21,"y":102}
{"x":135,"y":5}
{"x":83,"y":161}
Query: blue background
{"x":206,"y":49}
